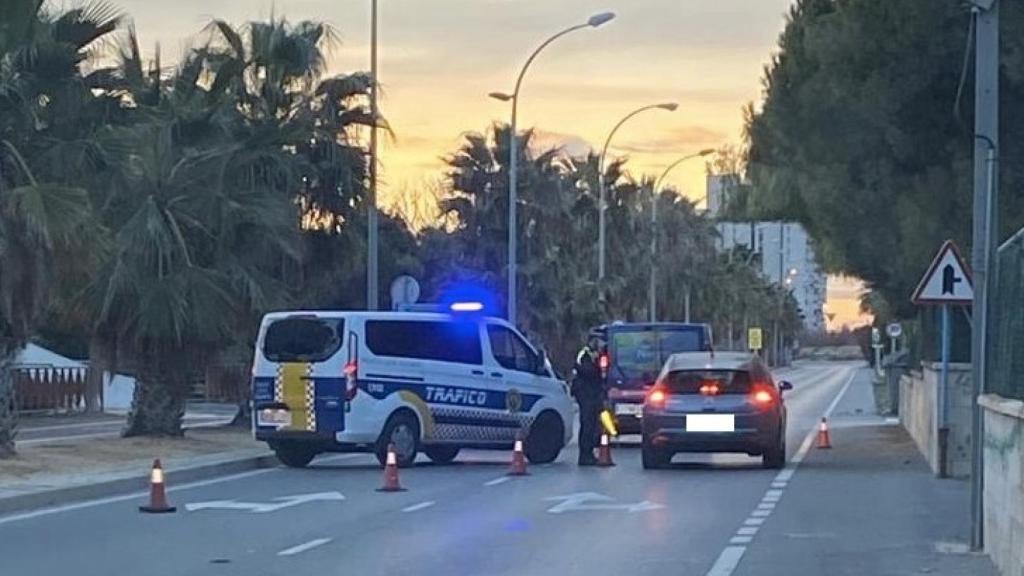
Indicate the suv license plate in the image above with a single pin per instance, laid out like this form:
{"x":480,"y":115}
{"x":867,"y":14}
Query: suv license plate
{"x":710,"y":423}
{"x":628,"y":409}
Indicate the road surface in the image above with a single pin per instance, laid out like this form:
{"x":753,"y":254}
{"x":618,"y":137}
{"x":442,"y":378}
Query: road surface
{"x":709,"y":515}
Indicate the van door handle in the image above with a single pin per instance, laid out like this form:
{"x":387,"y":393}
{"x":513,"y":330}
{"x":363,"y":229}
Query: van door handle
{"x":497,"y":374}
{"x":478,"y":372}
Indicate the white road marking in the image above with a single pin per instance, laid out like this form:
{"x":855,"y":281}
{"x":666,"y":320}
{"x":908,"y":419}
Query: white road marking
{"x":727,"y":561}
{"x":419,"y":506}
{"x":303,"y":547}
{"x":144,"y":493}
{"x":279,"y":503}
{"x":496,"y":481}
{"x":731,"y":555}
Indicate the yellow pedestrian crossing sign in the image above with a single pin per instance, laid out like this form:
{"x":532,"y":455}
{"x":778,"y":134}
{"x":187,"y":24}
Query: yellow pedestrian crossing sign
{"x":754,"y":341}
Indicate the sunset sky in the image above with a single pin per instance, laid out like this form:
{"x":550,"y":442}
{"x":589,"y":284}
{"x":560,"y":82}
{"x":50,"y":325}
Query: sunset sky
{"x":440,"y":58}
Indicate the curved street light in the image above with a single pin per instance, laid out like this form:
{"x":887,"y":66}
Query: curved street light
{"x":602,"y":204}
{"x":652,"y":290}
{"x":592,"y":22}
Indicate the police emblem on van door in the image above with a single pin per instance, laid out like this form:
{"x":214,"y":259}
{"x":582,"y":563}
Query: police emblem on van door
{"x":513,"y":400}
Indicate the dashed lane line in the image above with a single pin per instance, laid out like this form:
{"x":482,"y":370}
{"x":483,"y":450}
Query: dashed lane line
{"x":419,"y":506}
{"x":304,"y":547}
{"x":496,"y":481}
{"x":731,"y":555}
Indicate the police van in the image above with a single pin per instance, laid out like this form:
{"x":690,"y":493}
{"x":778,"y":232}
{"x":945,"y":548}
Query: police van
{"x":430,"y":382}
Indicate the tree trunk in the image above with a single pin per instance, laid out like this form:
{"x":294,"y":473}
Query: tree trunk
{"x":99,"y":363}
{"x":8,"y":409}
{"x":158,"y":406}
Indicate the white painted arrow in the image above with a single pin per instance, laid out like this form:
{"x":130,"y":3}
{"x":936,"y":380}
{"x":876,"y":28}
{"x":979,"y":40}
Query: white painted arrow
{"x":581,"y":501}
{"x":261,"y":507}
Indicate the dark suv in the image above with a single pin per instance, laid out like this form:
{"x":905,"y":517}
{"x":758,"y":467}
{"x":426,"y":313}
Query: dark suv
{"x":706,"y":402}
{"x":634,"y":355}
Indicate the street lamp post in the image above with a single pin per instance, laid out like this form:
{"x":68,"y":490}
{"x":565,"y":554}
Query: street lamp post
{"x":593,"y":22}
{"x":602,"y":204}
{"x":373,"y":232}
{"x":652,"y":291}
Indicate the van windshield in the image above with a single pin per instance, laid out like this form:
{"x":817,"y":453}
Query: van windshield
{"x":639,"y":354}
{"x":302,"y":339}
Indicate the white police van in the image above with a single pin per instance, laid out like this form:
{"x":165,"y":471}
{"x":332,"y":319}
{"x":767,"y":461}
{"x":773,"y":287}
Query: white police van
{"x":430,"y":382}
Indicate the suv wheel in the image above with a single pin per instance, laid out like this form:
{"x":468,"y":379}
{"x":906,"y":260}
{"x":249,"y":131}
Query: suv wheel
{"x":653,"y":458}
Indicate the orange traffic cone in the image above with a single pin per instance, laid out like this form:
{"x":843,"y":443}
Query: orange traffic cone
{"x":823,"y":439}
{"x":157,"y":496}
{"x":391,"y":473}
{"x":518,"y":460}
{"x":604,"y":452}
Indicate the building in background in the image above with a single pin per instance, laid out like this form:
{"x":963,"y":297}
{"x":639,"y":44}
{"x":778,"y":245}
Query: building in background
{"x":719,"y":187}
{"x":784,"y":252}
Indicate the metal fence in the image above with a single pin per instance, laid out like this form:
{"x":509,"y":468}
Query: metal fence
{"x":1006,"y":326}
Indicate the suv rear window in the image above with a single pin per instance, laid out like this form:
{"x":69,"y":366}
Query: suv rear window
{"x":728,"y":381}
{"x":302,"y":339}
{"x":642,"y":353}
{"x":426,"y":340}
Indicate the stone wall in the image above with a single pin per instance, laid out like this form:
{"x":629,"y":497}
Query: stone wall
{"x":919,"y":414}
{"x":1004,"y":482}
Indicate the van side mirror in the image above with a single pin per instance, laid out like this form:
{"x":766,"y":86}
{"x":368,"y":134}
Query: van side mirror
{"x":541,"y":369}
{"x":785,"y":385}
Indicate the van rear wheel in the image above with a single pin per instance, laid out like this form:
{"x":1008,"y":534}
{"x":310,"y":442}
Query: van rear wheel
{"x":545,"y":440}
{"x":294,"y":456}
{"x":403,"y":431}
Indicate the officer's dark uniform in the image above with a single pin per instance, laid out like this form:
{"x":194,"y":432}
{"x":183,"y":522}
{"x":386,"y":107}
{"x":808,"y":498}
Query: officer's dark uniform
{"x":588,"y":389}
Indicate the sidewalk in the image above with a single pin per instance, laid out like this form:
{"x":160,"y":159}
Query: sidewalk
{"x":84,"y":467}
{"x":897,"y":518}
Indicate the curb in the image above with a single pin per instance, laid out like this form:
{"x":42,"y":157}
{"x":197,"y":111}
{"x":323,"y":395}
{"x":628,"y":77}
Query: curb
{"x":126,"y":484}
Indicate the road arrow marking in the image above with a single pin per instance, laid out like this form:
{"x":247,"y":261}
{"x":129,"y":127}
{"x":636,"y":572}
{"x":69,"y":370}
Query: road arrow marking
{"x":264,"y":507}
{"x":583,"y":501}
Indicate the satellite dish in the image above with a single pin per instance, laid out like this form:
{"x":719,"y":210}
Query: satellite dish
{"x":405,"y":290}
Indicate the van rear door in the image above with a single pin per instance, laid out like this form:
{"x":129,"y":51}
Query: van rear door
{"x":307,"y":354}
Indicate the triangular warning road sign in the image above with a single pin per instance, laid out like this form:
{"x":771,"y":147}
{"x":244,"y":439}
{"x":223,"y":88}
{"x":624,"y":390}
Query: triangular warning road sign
{"x":947,"y":281}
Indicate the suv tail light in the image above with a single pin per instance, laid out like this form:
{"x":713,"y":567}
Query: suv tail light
{"x":762,"y":396}
{"x":602,"y":362}
{"x":656,"y":397}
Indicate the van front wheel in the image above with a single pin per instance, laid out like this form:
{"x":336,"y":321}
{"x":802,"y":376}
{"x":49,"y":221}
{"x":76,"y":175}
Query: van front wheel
{"x":545,"y":440}
{"x":294,"y":456}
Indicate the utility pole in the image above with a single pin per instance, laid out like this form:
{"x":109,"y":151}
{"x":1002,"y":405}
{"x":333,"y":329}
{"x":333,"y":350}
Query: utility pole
{"x":986,"y":147}
{"x":372,"y":228}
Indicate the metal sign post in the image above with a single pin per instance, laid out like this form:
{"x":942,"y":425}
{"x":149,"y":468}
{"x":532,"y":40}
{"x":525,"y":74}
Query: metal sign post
{"x":947,"y":281}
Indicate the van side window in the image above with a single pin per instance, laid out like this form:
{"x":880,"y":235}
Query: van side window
{"x":306,"y":339}
{"x":425,"y":340}
{"x":509,"y":349}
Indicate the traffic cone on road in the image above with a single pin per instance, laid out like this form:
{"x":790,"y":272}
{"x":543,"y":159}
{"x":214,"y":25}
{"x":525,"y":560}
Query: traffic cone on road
{"x":604,"y":452}
{"x":157,"y":495}
{"x":823,"y":439}
{"x":518,"y":460}
{"x":391,"y":473}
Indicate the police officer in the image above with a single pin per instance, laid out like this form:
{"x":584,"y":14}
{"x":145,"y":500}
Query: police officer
{"x":588,"y":388}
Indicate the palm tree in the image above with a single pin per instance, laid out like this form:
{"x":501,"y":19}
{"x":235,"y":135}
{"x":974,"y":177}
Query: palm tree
{"x":42,"y":219}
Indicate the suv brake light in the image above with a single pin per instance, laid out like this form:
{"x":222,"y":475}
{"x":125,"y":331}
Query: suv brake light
{"x":762,"y":396}
{"x":656,"y":397}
